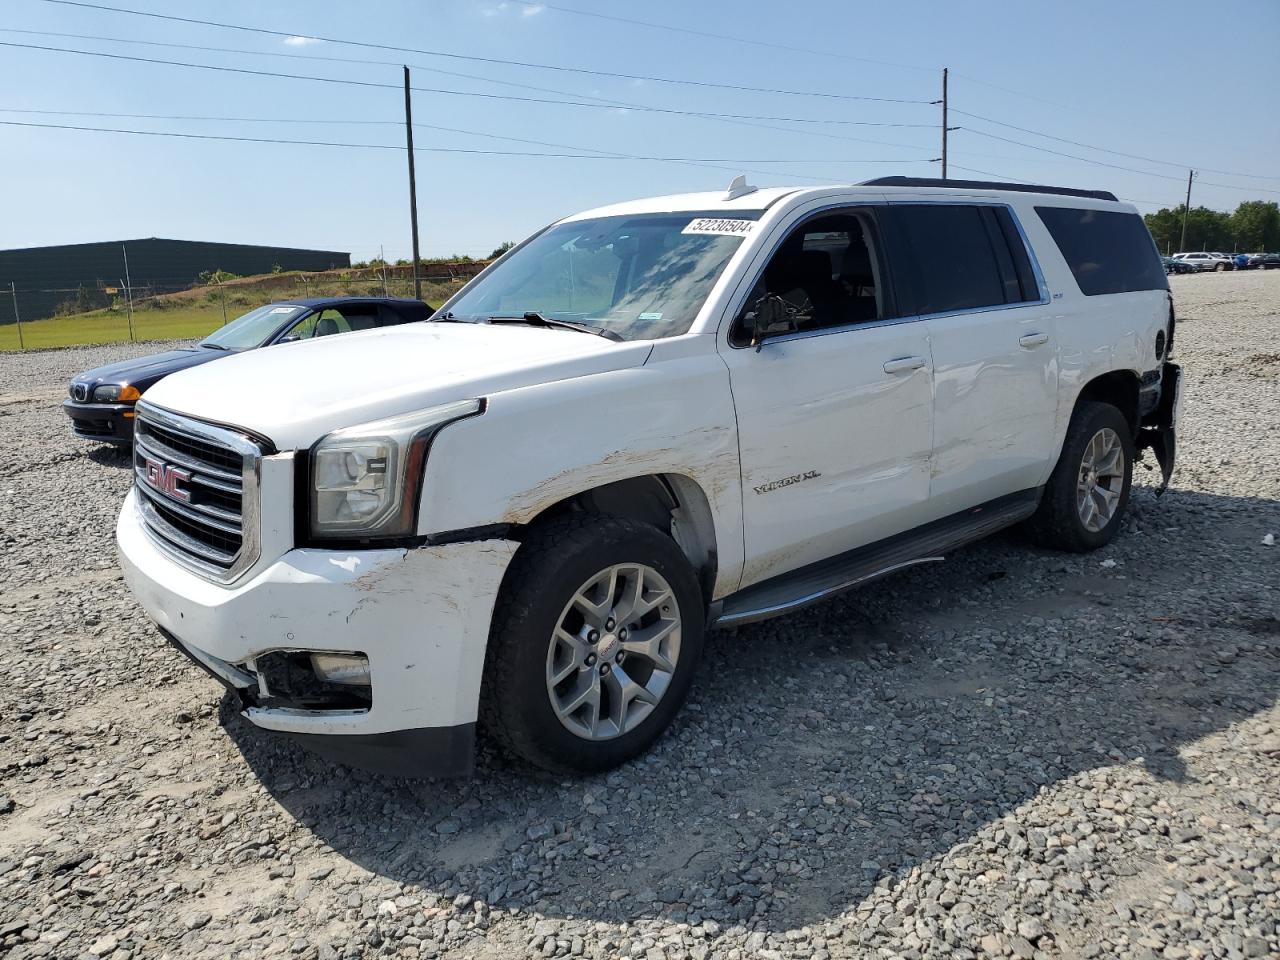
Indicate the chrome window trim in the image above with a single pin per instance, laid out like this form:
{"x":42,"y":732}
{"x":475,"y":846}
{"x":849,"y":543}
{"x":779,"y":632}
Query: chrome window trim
{"x":1041,"y":284}
{"x":250,"y":497}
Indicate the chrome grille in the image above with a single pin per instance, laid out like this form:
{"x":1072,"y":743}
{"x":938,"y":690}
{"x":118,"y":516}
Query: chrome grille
{"x":197,"y":490}
{"x":79,"y":392}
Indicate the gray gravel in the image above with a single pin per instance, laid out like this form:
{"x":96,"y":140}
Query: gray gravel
{"x":1016,"y":753}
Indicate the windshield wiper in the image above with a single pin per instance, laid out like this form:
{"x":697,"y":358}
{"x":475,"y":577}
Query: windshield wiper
{"x":535,"y":319}
{"x":214,"y":346}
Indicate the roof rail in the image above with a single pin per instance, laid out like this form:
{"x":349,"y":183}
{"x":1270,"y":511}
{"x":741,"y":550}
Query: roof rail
{"x":986,"y":185}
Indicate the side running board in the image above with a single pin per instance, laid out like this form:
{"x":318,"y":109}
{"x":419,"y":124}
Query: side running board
{"x":826,"y":578}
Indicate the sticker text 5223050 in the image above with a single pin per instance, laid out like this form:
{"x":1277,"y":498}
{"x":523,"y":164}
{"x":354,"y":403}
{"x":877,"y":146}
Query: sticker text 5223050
{"x":719,"y":227}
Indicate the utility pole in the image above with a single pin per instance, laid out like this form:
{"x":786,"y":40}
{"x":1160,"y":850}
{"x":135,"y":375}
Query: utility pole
{"x":413,"y":185}
{"x":223,"y":297}
{"x":13,"y":291}
{"x":128,"y":290}
{"x":382,"y":255}
{"x":944,"y":123}
{"x":1186,"y":209}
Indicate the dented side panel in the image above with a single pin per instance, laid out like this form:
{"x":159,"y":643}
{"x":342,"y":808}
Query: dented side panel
{"x":835,"y":451}
{"x":538,"y":446}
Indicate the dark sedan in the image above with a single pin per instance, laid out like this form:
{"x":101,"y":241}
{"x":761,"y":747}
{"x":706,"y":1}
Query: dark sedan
{"x":102,"y":399}
{"x":1172,"y":265}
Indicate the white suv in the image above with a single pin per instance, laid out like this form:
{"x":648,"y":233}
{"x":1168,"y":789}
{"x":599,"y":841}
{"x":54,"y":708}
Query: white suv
{"x":645,"y":421}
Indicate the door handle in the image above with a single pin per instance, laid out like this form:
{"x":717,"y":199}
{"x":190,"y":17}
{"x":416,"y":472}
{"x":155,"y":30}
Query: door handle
{"x":903,"y":364}
{"x":1033,"y":340}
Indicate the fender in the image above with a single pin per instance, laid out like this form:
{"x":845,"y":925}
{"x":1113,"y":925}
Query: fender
{"x":537,"y":446}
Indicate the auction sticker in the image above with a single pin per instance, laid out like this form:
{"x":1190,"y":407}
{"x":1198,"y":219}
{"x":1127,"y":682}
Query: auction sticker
{"x":718,"y":227}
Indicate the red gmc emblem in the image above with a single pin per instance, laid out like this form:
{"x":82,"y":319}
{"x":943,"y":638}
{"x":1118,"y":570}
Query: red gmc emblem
{"x":165,"y":478}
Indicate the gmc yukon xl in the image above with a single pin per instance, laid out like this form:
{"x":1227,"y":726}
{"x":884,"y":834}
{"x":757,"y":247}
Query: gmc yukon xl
{"x":645,"y":421}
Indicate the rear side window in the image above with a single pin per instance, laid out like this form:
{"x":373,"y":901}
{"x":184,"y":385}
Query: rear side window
{"x":963,"y":257}
{"x":1107,"y":252}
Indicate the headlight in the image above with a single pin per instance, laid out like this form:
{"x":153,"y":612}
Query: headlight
{"x":114,"y":392}
{"x":365,"y":479}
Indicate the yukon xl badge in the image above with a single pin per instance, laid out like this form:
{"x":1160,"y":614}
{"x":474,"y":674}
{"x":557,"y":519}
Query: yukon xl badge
{"x":165,"y":478}
{"x":786,"y":481}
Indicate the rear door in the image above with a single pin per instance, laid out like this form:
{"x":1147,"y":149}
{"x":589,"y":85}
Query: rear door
{"x":992,"y":334}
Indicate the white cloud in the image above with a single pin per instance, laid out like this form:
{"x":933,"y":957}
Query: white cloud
{"x":301,"y":41}
{"x":505,"y":8}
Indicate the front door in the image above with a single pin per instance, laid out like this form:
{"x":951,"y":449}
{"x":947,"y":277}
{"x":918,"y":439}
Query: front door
{"x":834,"y":416}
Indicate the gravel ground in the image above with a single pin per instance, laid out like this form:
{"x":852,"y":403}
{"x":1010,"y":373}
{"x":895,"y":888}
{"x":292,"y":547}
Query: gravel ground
{"x":1016,"y":753}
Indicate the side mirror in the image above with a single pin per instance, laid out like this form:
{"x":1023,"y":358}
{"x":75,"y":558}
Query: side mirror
{"x":768,"y":317}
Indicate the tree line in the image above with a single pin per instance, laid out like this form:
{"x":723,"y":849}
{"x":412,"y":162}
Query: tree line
{"x":1253,"y":227}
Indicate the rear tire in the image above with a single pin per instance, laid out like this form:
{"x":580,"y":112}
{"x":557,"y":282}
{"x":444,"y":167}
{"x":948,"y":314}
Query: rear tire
{"x":595,"y":639}
{"x":1084,"y":501}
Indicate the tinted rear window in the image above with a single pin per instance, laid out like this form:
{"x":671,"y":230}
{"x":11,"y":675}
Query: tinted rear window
{"x":1107,"y":252}
{"x":961,"y":257}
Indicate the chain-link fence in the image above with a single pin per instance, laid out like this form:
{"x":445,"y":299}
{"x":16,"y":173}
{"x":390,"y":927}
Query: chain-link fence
{"x":73,"y":313}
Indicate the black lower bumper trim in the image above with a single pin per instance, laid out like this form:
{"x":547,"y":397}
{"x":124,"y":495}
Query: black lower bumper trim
{"x":417,"y":752}
{"x":105,"y":422}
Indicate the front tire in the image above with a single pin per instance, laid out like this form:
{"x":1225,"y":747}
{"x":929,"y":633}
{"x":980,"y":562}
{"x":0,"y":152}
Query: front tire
{"x":594,"y":643}
{"x":1084,"y":501}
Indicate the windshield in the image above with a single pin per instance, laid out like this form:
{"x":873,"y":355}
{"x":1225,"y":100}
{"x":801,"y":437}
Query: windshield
{"x":253,"y":329}
{"x":642,"y":277}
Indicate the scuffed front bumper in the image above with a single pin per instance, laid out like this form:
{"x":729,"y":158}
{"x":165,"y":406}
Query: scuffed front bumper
{"x":421,"y":616}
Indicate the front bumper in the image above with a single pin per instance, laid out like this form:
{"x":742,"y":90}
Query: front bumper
{"x":106,"y":422}
{"x":421,"y":617}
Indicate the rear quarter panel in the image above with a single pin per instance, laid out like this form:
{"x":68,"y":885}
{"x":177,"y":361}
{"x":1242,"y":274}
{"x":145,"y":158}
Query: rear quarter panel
{"x":1097,"y":334}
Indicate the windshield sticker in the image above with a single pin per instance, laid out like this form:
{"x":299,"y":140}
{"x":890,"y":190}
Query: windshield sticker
{"x":717,"y":227}
{"x":650,"y":316}
{"x":283,"y":309}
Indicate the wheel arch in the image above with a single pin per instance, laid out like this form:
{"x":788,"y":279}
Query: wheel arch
{"x":673,"y":503}
{"x":1120,"y":389}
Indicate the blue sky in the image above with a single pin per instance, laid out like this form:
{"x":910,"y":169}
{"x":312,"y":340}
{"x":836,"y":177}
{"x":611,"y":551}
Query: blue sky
{"x":1183,"y":82}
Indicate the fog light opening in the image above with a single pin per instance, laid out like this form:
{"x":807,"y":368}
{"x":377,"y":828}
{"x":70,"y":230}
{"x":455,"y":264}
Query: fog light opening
{"x":350,"y":669}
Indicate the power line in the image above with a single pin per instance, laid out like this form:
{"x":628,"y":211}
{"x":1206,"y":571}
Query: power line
{"x":460,"y":150}
{"x":1113,"y":166}
{"x":732,"y":118}
{"x":653,"y":78}
{"x":708,"y":35}
{"x":431,"y":126}
{"x":492,"y":60}
{"x":826,"y":53}
{"x":1118,"y":153}
{"x":728,"y":117}
{"x":809,"y":51}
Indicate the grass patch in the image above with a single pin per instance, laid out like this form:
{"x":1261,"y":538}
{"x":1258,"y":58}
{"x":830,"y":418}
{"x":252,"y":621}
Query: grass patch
{"x":187,"y":316}
{"x":112,"y":326}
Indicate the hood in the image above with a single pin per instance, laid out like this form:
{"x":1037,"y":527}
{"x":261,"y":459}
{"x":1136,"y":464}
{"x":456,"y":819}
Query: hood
{"x":142,"y":372}
{"x":295,"y":393}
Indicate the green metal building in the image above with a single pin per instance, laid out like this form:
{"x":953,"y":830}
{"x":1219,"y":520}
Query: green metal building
{"x":94,"y":273}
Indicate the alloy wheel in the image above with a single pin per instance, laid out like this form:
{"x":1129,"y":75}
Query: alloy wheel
{"x":613,"y":651}
{"x":1101,"y":480}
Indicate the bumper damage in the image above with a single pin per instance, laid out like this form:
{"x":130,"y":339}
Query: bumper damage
{"x":1159,"y":430}
{"x":419,"y":619}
